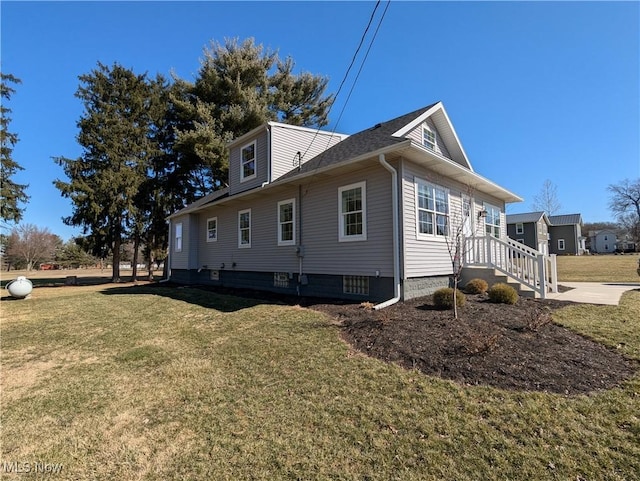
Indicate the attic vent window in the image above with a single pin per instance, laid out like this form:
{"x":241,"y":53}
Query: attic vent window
{"x":428,"y":138}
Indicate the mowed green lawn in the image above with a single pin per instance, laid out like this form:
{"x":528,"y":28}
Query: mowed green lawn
{"x":141,"y":382}
{"x":598,"y":268}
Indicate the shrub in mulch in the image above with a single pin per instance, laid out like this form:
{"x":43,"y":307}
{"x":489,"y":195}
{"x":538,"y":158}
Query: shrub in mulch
{"x":476,"y":286}
{"x":502,"y":293}
{"x":443,"y":298}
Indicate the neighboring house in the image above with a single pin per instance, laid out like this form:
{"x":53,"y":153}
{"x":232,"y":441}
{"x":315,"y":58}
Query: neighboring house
{"x":603,"y":241}
{"x":566,"y":235}
{"x":626,"y":245}
{"x":363,"y":217}
{"x":531,"y":229}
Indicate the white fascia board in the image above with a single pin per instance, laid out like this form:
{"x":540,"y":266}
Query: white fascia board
{"x":439,"y":107}
{"x":462,"y":174}
{"x":280,"y":183}
{"x":417,"y":121}
{"x":268,"y":125}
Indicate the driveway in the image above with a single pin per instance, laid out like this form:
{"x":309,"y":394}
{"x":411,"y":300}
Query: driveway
{"x":608,"y":293}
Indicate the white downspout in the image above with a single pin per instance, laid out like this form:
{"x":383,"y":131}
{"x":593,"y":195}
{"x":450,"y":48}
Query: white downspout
{"x":396,"y":234}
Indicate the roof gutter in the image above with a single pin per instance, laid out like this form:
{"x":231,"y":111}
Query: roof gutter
{"x":396,"y":234}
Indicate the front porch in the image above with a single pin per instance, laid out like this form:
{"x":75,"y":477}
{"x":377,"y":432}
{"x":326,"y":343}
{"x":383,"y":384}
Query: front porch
{"x":505,"y":260}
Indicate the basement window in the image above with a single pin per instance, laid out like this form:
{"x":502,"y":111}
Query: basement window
{"x":358,"y":285}
{"x":280,"y":279}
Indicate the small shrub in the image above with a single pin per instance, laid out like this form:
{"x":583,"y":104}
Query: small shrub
{"x":476,"y":286}
{"x":443,"y":298}
{"x":502,"y":293}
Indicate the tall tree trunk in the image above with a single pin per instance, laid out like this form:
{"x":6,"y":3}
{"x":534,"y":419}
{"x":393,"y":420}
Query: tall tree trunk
{"x":134,"y":267}
{"x":117,"y":244}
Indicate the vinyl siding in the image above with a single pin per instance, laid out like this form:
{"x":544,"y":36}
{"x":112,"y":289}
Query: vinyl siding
{"x":429,"y":255}
{"x":323,"y":253}
{"x":187,"y":258}
{"x":288,"y":141}
{"x":235,"y":185}
{"x":416,"y":136}
{"x":264,"y":254}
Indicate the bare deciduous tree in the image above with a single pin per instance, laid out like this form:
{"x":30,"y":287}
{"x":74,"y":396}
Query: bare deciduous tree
{"x":547,"y":199}
{"x":625,"y":205}
{"x":32,"y":245}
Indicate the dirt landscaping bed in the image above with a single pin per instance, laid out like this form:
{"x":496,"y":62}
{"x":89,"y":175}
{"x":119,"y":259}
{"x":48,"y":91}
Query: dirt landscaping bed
{"x":510,"y":347}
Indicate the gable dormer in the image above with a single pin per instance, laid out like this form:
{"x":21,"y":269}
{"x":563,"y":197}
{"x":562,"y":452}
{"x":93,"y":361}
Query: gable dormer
{"x":433,"y":131}
{"x":270,"y":151}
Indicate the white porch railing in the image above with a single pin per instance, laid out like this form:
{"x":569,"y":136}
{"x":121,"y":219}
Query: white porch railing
{"x":528,"y":266}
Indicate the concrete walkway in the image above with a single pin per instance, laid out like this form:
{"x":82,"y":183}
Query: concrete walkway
{"x":608,"y":293}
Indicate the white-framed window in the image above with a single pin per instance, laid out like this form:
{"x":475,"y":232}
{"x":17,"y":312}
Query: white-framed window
{"x":355,"y":285}
{"x":286,"y":222}
{"x":248,"y":162}
{"x":244,"y":228}
{"x":561,"y":245}
{"x":432,"y":211}
{"x":521,"y":241}
{"x":212,"y":229}
{"x":178,"y":238}
{"x":492,"y":220}
{"x":428,"y":137}
{"x":519,"y":228}
{"x":352,"y":207}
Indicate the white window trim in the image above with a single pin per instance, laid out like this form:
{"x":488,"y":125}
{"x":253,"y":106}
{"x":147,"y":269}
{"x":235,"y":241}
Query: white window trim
{"x":561,"y":245}
{"x":342,"y":237}
{"x":255,"y":162}
{"x":519,"y":228}
{"x":214,"y":239}
{"x":520,"y":240}
{"x":293,"y":221}
{"x":424,"y":236}
{"x":178,"y":238}
{"x":487,"y":208}
{"x":426,"y":143}
{"x":240,"y":244}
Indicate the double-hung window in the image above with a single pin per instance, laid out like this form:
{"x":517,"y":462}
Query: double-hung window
{"x":212,"y":229}
{"x":492,"y":220}
{"x":561,"y":244}
{"x":248,"y":162}
{"x":352,"y":212}
{"x":244,"y":228}
{"x":519,"y":228}
{"x":428,"y":137}
{"x":178,"y":241}
{"x":432,"y":209}
{"x":286,"y":222}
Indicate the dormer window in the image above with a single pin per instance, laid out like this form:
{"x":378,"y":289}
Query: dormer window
{"x":248,"y":159}
{"x":428,"y":138}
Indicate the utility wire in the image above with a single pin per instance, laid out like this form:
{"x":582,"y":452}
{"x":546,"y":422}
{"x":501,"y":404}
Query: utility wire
{"x":353,"y":59}
{"x":359,"y":71}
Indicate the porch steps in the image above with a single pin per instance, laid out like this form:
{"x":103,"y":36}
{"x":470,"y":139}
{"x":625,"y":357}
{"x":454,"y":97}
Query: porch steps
{"x":493,"y":276}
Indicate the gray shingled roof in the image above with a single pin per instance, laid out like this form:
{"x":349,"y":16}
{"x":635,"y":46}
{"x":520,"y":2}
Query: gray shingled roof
{"x":567,"y":219}
{"x":524,"y":218}
{"x":213,"y":196}
{"x":369,"y":140}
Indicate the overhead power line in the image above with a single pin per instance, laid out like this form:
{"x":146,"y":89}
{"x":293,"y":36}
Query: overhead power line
{"x":346,"y":75}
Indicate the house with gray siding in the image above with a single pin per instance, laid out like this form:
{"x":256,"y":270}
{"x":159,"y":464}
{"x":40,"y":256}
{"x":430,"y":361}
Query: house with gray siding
{"x":603,"y":241}
{"x":368,"y":216}
{"x":566,"y":235}
{"x":531,"y":229}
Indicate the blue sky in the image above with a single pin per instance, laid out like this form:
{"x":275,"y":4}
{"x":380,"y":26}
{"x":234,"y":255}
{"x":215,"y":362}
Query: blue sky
{"x":535,"y":90}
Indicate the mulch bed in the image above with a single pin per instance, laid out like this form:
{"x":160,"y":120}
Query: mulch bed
{"x":514,"y":347}
{"x":506,"y":346}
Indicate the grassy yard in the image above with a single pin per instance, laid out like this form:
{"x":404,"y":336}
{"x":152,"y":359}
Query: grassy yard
{"x":141,"y":382}
{"x":598,"y":268}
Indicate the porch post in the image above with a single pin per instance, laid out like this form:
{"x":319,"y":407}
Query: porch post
{"x":542,"y":281}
